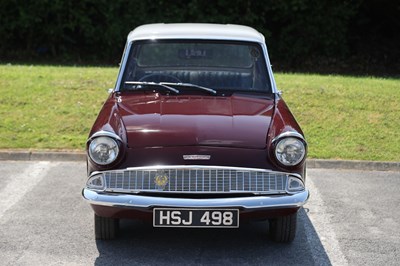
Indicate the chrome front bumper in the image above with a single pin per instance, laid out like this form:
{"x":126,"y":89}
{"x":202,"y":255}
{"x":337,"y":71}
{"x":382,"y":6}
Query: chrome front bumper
{"x":123,"y":188}
{"x":147,"y":202}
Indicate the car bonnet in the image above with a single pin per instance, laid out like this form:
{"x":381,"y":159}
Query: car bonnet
{"x":154,"y":120}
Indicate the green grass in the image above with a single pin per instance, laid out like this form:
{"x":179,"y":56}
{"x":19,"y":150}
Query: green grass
{"x":50,"y":107}
{"x":44,"y":107}
{"x":346,"y":117}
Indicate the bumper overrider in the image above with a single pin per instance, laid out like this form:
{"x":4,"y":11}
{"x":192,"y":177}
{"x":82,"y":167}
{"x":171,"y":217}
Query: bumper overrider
{"x":212,"y":186}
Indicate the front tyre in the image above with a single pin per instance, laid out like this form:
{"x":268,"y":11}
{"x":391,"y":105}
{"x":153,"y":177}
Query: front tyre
{"x":105,"y":228}
{"x":283,"y":229}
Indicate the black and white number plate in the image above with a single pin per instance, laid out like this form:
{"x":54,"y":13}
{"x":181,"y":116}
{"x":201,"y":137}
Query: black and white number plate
{"x":195,"y":218}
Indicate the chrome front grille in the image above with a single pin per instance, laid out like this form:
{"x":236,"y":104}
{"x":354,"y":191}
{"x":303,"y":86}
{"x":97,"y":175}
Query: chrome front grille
{"x":196,"y":179}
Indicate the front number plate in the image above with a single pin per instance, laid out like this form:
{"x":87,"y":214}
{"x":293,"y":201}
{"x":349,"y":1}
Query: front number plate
{"x":195,"y":218}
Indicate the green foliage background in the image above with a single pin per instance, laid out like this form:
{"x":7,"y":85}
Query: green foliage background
{"x":341,"y":36}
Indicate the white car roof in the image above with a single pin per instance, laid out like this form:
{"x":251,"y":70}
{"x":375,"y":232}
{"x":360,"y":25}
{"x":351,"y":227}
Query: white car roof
{"x":196,"y":31}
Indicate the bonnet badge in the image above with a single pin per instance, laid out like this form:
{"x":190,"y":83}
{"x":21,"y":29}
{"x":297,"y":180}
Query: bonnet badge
{"x":196,"y":157}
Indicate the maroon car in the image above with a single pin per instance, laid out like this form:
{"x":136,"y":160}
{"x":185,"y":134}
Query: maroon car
{"x":196,"y":134}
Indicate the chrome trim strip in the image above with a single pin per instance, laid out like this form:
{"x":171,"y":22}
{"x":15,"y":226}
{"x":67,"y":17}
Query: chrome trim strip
{"x":123,"y":65}
{"x":103,"y":133}
{"x":274,"y":88}
{"x":253,"y":203}
{"x":211,"y":167}
{"x":289,"y":134}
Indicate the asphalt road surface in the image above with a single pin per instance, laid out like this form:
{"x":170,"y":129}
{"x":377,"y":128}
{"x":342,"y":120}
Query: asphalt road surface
{"x":352,"y":218}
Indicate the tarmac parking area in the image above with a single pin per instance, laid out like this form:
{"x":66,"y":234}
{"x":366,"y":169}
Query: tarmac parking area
{"x":352,"y":218}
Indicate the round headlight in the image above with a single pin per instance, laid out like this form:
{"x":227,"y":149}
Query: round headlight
{"x":103,"y":150}
{"x":290,"y":151}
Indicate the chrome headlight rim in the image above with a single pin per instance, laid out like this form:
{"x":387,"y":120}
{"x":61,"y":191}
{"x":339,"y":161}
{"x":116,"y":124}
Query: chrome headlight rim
{"x":287,"y":136}
{"x":110,"y":142}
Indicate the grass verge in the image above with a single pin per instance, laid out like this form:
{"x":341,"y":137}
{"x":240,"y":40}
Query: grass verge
{"x":47,"y":107}
{"x":346,"y":117}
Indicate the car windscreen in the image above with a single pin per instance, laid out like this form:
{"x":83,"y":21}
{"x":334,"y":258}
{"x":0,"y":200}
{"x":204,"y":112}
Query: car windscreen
{"x":220,"y":65}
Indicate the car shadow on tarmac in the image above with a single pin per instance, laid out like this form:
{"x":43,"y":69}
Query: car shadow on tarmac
{"x":139,"y":243}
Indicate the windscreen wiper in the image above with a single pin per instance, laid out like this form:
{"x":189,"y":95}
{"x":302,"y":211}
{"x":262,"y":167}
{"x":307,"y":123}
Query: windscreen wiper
{"x":152,"y":84}
{"x":168,"y":85}
{"x":189,"y":85}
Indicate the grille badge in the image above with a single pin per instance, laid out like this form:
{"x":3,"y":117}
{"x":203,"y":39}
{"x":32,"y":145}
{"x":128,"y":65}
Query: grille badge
{"x":196,"y":157}
{"x":161,"y":180}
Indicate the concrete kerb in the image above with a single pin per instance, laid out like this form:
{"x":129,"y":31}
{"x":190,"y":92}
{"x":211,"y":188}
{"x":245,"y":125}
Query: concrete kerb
{"x":353,"y":164}
{"x":42,"y":156}
{"x":311,"y":163}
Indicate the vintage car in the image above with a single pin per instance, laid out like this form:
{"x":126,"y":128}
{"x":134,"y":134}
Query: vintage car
{"x":196,"y":134}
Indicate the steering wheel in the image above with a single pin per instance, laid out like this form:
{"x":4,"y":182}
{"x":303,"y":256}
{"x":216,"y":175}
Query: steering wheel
{"x":159,"y":77}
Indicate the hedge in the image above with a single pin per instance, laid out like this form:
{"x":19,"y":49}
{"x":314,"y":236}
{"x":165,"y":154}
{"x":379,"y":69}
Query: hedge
{"x":302,"y":35}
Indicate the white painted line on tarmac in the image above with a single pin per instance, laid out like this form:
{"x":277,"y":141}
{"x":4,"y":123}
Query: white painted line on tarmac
{"x":319,"y":217}
{"x":21,"y":184}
